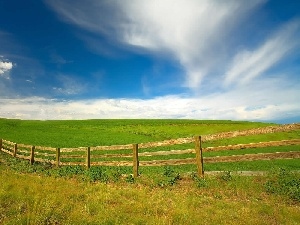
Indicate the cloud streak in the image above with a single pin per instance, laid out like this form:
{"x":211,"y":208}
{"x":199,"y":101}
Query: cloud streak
{"x":248,"y":65}
{"x":191,"y":32}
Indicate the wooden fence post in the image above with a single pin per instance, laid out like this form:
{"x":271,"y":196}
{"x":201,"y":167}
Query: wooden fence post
{"x":0,"y":144}
{"x":88,"y":157}
{"x":135,"y":160}
{"x":32,"y":155}
{"x":199,"y":157}
{"x":15,"y":149}
{"x":57,"y":156}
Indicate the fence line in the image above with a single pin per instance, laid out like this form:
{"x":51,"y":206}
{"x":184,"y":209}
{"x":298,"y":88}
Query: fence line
{"x":129,"y":155}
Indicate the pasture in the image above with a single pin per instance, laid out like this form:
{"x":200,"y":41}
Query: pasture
{"x":81,"y":133}
{"x":69,"y":135}
{"x":45,"y":194}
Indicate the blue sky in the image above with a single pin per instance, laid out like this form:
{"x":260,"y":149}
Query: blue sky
{"x":190,"y":59}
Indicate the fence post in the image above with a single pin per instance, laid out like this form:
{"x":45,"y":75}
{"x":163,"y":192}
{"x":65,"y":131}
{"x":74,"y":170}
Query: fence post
{"x":135,"y":160}
{"x":57,"y":156}
{"x":88,"y":157}
{"x":32,"y":155}
{"x":199,"y":157}
{"x":15,"y":149}
{"x":0,"y":144}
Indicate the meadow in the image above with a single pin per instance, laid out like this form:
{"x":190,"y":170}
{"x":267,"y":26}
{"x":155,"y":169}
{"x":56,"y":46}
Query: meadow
{"x":83,"y":133}
{"x":45,"y":194}
{"x":80,"y":133}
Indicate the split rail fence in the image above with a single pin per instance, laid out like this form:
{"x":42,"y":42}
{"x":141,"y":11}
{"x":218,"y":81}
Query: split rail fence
{"x":134,"y":154}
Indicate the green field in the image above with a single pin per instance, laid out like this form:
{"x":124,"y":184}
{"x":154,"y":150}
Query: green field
{"x":44,"y":194}
{"x":77,"y":133}
{"x":83,"y":133}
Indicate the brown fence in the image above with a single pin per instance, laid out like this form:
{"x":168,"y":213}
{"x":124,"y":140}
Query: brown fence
{"x":134,"y":154}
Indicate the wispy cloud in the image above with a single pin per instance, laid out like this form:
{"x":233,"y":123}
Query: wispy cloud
{"x":248,"y":65}
{"x":58,"y":59}
{"x":191,"y":32}
{"x":68,"y":85}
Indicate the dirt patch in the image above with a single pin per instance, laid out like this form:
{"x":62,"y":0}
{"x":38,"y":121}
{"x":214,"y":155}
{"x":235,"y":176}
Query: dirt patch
{"x":262,"y":130}
{"x":210,"y":137}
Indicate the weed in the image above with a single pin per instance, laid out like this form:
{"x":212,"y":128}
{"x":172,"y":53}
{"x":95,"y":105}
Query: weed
{"x":201,"y":182}
{"x":226,"y":176}
{"x":68,"y":171}
{"x":173,"y":180}
{"x":170,"y":177}
{"x":168,"y":171}
{"x":116,"y":174}
{"x":284,"y":183}
{"x":130,"y":179}
{"x":97,"y":174}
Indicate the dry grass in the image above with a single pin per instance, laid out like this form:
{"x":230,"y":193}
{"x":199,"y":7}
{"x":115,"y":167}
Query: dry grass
{"x":32,"y":199}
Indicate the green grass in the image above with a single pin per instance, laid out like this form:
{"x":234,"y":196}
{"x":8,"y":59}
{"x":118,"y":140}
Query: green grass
{"x":80,"y":133}
{"x":110,"y":132}
{"x":44,"y":194}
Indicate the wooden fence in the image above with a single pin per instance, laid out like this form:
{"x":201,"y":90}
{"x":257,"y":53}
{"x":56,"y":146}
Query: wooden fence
{"x":134,"y":154}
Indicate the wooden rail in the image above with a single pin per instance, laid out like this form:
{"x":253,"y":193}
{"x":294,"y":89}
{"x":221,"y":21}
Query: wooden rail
{"x":252,"y":157}
{"x":254,"y":145}
{"x":130,"y":155}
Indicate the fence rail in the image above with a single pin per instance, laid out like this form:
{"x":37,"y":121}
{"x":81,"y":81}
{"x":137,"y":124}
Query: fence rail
{"x":130,"y":154}
{"x":252,"y":157}
{"x":254,"y":145}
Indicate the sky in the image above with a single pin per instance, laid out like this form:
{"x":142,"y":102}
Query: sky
{"x":175,"y":59}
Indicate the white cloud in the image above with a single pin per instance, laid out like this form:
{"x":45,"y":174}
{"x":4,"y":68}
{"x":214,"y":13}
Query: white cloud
{"x":269,"y":99}
{"x":248,"y":65}
{"x":196,"y":33}
{"x":5,"y":67}
{"x":192,"y":31}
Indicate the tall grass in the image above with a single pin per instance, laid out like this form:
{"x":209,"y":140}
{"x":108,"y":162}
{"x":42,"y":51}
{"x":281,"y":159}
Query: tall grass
{"x":224,"y":199}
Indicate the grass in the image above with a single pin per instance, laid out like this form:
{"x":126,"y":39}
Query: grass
{"x":80,"y":133}
{"x":106,"y":132}
{"x":225,"y":199}
{"x":44,"y":194}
